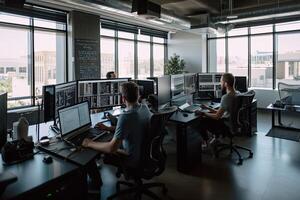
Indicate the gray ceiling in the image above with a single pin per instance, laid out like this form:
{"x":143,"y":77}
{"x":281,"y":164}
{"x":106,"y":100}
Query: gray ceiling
{"x":195,"y":10}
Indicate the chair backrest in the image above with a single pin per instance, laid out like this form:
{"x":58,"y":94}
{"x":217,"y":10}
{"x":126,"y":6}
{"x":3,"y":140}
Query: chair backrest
{"x":289,"y":94}
{"x":154,"y":155}
{"x":241,"y":103}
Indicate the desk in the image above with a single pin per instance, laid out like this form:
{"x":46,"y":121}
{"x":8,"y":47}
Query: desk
{"x":36,"y":180}
{"x":60,"y":149}
{"x":279,"y":123}
{"x":182,"y":123}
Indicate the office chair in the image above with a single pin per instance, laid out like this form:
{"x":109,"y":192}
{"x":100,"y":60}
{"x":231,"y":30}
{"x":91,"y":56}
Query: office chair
{"x":242,"y":103}
{"x":152,"y":162}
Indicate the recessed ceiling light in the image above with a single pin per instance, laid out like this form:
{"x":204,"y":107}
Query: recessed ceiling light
{"x":232,"y":17}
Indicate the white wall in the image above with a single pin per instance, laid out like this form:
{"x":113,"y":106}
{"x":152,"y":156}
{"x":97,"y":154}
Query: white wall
{"x":190,"y":47}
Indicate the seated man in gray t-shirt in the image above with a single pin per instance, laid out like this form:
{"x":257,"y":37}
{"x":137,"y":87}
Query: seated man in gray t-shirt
{"x":129,"y":131}
{"x":217,"y":120}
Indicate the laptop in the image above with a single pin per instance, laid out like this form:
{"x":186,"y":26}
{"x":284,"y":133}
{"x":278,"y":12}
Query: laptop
{"x":75,"y":124}
{"x":190,"y":108}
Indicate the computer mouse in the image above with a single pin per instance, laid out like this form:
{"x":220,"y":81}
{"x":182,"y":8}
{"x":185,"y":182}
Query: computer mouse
{"x":185,"y":114}
{"x":47,"y":159}
{"x":44,"y":141}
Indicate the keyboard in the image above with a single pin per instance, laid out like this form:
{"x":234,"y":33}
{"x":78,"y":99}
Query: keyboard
{"x":92,"y":133}
{"x":191,"y":108}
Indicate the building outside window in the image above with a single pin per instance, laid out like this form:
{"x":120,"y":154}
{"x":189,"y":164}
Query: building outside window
{"x":20,"y":65}
{"x":263,"y":61}
{"x":131,"y":54}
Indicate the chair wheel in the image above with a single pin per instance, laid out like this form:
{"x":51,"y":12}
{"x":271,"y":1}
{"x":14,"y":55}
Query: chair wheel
{"x":251,"y":155}
{"x":240,"y":162}
{"x":164,"y":190}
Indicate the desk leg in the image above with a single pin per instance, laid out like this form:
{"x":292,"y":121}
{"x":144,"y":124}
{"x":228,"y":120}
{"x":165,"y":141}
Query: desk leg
{"x":181,"y":133}
{"x":273,"y":118}
{"x":279,"y":118}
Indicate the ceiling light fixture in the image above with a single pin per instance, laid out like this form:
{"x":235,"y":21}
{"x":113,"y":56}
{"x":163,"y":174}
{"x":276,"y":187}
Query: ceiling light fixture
{"x":231,"y":16}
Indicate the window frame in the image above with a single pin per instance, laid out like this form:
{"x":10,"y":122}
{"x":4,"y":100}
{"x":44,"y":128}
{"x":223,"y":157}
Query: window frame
{"x":136,"y":55}
{"x":274,"y":34}
{"x":31,"y":53}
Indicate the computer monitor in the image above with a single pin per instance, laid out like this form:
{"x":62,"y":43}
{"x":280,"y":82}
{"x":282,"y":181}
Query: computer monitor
{"x":101,"y":93}
{"x":74,"y":117}
{"x":146,"y":87}
{"x":177,"y":86}
{"x":58,"y":96}
{"x":241,"y":83}
{"x":164,"y":89}
{"x":205,"y":78}
{"x":190,"y":82}
{"x":3,"y":119}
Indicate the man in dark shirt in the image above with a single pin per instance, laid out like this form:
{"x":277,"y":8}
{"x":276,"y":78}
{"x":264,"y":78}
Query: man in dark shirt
{"x":129,"y":131}
{"x":216,"y":120}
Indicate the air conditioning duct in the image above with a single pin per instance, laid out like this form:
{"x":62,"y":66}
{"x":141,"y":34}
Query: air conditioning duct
{"x":146,"y":9}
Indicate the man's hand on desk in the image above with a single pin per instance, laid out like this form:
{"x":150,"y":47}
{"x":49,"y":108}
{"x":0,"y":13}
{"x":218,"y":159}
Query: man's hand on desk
{"x":86,"y":142}
{"x":199,"y":113}
{"x":101,"y":126}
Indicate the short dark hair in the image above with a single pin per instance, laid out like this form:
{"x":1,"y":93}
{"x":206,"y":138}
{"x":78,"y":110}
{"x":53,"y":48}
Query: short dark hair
{"x":229,"y":79}
{"x":130,"y":91}
{"x":109,"y":74}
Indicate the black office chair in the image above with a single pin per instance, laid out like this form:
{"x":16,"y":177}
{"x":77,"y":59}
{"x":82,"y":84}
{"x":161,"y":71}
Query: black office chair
{"x":152,"y":162}
{"x":242,"y":103}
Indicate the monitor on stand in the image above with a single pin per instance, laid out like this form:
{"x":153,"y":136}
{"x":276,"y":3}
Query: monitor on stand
{"x":164,"y":90}
{"x":56,"y":97}
{"x":241,"y":83}
{"x":146,"y":87}
{"x":3,"y":119}
{"x":177,"y":86}
{"x":190,"y":83}
{"x":101,"y":93}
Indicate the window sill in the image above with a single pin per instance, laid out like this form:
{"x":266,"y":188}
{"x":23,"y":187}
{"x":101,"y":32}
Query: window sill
{"x":23,"y":110}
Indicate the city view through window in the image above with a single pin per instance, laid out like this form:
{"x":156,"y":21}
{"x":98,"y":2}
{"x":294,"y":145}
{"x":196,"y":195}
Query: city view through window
{"x":287,"y":55}
{"x":125,"y":54}
{"x":23,"y":74}
{"x":19,"y":71}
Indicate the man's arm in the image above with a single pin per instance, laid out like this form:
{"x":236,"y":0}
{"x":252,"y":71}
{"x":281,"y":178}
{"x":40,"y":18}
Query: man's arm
{"x":105,"y":147}
{"x":216,"y":115}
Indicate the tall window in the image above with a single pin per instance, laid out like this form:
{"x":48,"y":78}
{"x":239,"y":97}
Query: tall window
{"x":25,"y":71}
{"x":107,"y":49}
{"x":238,"y":56}
{"x":217,"y":60}
{"x":133,"y":55}
{"x":126,"y":54}
{"x":143,"y":56}
{"x":14,"y":54}
{"x":288,"y":58}
{"x":262,"y":61}
{"x":50,"y":58}
{"x":267,"y":66}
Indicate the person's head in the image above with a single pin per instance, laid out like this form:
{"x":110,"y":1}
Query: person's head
{"x":227,"y":81}
{"x":130,"y":92}
{"x":110,"y":75}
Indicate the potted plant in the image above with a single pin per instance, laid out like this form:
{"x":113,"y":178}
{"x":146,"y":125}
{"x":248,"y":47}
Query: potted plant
{"x":175,"y":65}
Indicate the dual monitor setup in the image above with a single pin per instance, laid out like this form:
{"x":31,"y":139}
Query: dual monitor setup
{"x":105,"y":93}
{"x":99,"y":94}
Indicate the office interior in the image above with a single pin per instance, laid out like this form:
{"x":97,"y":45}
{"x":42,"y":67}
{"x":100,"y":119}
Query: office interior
{"x":55,"y":55}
